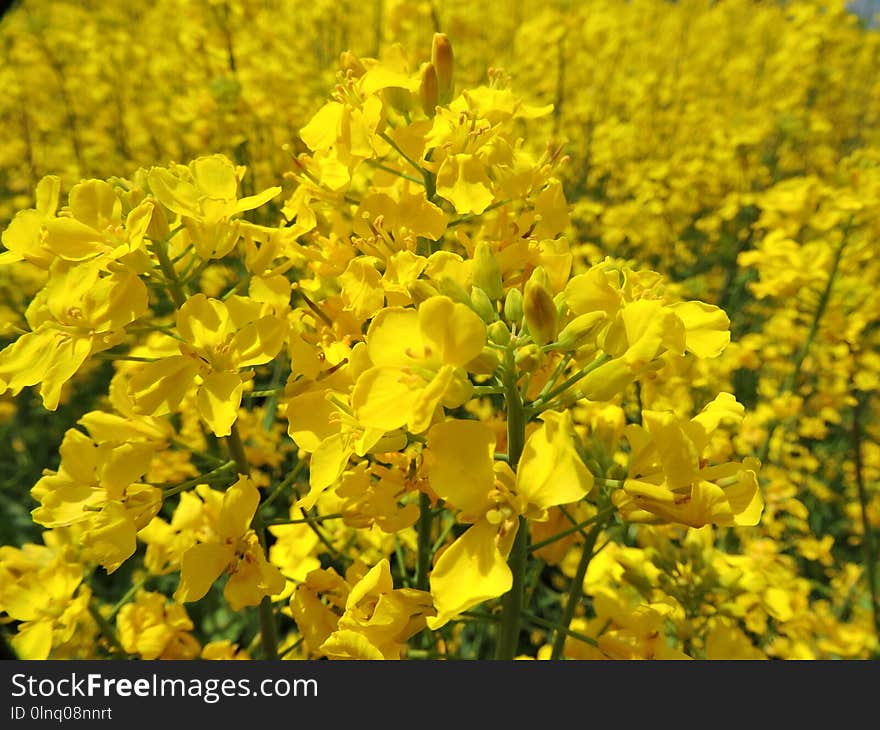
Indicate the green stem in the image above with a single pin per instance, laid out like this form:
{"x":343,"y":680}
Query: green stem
{"x":293,"y":647}
{"x":268,"y":632}
{"x":236,"y":451}
{"x":488,"y":390}
{"x":512,"y":603}
{"x":201,"y":479}
{"x":545,"y":624}
{"x":423,"y":528}
{"x":129,"y":594}
{"x":575,"y":590}
{"x":304,"y":521}
{"x":869,"y":546}
{"x":106,"y":629}
{"x":790,"y":382}
{"x":429,"y":179}
{"x":441,"y":538}
{"x":268,"y":629}
{"x":174,"y":288}
{"x":571,"y":530}
{"x":379,"y":166}
{"x":282,"y":485}
{"x":541,"y":403}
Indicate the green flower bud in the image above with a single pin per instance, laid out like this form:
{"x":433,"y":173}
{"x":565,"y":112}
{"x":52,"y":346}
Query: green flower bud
{"x":420,"y":290}
{"x":482,"y":305}
{"x":486,"y":272}
{"x":579,"y":331}
{"x":539,"y":309}
{"x":452,"y":289}
{"x":444,"y":64}
{"x":528,"y":358}
{"x":498,"y":333}
{"x":513,"y":306}
{"x":428,"y":94}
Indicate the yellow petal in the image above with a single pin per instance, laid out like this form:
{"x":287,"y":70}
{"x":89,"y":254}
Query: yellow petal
{"x":394,"y":337}
{"x":111,"y":537}
{"x":452,"y":331}
{"x":240,"y":503}
{"x":462,"y":180}
{"x":157,"y":388}
{"x":204,"y":322}
{"x":460,"y":463}
{"x":255,"y":201}
{"x":214,"y":175}
{"x":252,"y":579}
{"x":24,"y":239}
{"x":362,"y":292}
{"x":470,"y":571}
{"x":94,"y":203}
{"x":592,"y":292}
{"x":258,"y":342}
{"x":347,"y":644}
{"x":326,"y":466}
{"x":218,"y":399}
{"x":33,"y":640}
{"x":124,"y":465}
{"x":706,"y":328}
{"x":385,"y":398}
{"x":200,"y":566}
{"x":376,"y":582}
{"x":323,"y":129}
{"x":72,"y":240}
{"x":176,"y":194}
{"x":309,"y":419}
{"x":66,"y":360}
{"x":550,"y":472}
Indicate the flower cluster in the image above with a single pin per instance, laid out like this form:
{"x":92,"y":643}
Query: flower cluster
{"x":451,"y":361}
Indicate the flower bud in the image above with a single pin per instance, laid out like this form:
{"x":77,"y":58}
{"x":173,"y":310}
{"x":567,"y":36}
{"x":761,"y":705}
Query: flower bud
{"x":443,"y":62}
{"x":482,"y":305}
{"x":401,"y":100}
{"x":486,"y":272}
{"x":498,"y":333}
{"x":577,"y":332}
{"x":606,"y":381}
{"x":428,"y":93}
{"x":486,"y":363}
{"x":420,"y":290}
{"x":452,"y":289}
{"x":539,"y":309}
{"x":541,"y":276}
{"x":513,"y":306}
{"x":528,"y":358}
{"x":158,"y":229}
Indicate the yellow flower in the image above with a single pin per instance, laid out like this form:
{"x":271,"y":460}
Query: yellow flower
{"x":462,"y":471}
{"x":152,"y":628}
{"x":670,"y":481}
{"x":24,"y":236}
{"x":205,"y":196}
{"x":43,"y":590}
{"x":419,"y":359}
{"x":78,"y":313}
{"x":223,"y":650}
{"x":97,"y":486}
{"x":219,"y":339}
{"x":378,"y":619}
{"x":92,"y":226}
{"x":232,"y":547}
